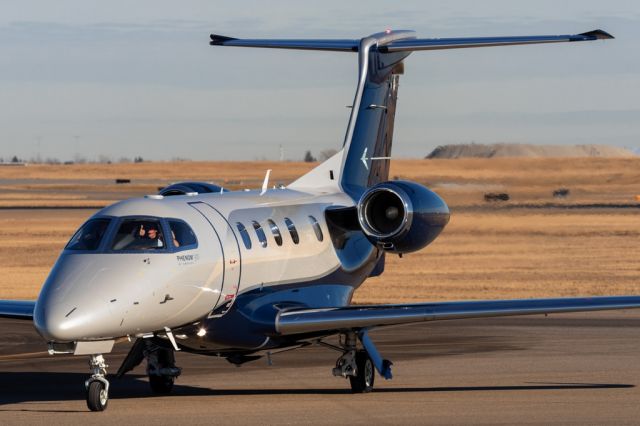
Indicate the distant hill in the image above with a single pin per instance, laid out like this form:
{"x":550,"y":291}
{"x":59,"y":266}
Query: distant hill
{"x":527,"y":150}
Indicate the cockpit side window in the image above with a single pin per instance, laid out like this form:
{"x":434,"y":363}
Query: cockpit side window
{"x":139,"y":234}
{"x":182,"y":235}
{"x":89,"y":236}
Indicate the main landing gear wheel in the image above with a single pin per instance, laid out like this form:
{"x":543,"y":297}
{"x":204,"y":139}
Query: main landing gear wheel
{"x":362,"y":382}
{"x":161,"y":385}
{"x":97,"y":396}
{"x":161,"y":369}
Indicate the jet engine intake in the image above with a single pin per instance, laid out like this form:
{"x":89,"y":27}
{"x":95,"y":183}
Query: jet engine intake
{"x":401,"y":216}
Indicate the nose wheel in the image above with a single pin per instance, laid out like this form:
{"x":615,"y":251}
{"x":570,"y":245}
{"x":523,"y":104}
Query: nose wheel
{"x":97,"y":396}
{"x":97,"y":386}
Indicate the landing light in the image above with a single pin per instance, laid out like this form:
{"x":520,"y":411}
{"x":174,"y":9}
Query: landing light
{"x":201,"y":332}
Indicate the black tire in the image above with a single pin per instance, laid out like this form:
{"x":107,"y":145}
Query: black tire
{"x":161,"y":385}
{"x":97,"y":396}
{"x":362,"y":382}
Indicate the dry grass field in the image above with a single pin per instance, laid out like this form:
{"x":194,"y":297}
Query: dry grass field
{"x":461,"y":182}
{"x":488,"y":250}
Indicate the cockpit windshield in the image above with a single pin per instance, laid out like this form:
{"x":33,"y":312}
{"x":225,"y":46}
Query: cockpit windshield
{"x":89,"y":236}
{"x":139,"y":234}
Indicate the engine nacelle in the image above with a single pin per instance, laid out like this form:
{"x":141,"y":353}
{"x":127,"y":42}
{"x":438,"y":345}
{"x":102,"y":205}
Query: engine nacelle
{"x":183,"y":188}
{"x":402,"y":216}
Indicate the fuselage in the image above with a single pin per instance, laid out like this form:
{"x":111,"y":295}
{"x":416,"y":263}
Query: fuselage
{"x":252,"y":253}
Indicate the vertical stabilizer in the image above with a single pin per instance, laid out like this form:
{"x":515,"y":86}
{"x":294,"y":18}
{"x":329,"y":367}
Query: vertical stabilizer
{"x":368,"y":147}
{"x":365,"y":156}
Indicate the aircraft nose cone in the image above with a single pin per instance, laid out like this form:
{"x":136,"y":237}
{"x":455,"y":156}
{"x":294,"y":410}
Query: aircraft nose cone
{"x":53,"y":324}
{"x":62,"y":309}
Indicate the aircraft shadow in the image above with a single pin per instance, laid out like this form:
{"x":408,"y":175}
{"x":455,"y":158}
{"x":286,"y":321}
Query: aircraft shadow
{"x":19,"y":387}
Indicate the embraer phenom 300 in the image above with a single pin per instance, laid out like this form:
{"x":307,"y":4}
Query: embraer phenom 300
{"x":242,"y":274}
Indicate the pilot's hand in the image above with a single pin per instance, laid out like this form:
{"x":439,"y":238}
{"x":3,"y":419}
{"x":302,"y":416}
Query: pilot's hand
{"x":141,"y":232}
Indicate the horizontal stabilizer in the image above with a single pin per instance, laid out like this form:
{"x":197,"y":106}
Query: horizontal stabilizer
{"x":20,"y":309}
{"x":406,"y":43}
{"x":301,"y":321}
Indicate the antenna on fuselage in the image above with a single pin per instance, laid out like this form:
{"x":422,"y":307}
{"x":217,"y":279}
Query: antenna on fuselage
{"x":265,"y":183}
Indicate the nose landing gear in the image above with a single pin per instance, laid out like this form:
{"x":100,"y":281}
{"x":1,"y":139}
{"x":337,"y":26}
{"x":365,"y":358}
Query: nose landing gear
{"x":97,"y":386}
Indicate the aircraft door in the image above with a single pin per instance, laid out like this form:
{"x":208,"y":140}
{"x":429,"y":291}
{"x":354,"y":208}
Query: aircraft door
{"x":221,"y":229}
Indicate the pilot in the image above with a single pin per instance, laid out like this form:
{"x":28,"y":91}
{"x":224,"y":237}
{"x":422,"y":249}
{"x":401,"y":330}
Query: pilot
{"x":152,"y":234}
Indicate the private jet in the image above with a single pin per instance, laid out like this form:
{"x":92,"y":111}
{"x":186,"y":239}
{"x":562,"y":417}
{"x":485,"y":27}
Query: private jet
{"x":245,"y":274}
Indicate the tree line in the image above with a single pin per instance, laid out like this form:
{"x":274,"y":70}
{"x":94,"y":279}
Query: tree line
{"x":104,"y":159}
{"x":77,"y":159}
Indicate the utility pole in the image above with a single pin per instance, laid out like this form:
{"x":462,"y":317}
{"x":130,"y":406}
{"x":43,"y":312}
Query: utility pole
{"x":38,"y":144}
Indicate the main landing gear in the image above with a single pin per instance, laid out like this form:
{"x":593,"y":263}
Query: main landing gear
{"x":359,"y":365}
{"x":97,"y":386}
{"x":161,"y":364}
{"x":161,"y":368}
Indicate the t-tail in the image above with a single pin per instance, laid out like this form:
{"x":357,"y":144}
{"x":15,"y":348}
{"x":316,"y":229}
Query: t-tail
{"x":364,"y":159}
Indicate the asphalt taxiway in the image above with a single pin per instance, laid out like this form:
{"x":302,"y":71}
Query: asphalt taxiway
{"x":568,"y":369}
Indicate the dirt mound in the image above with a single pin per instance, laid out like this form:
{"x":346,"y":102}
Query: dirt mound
{"x":527,"y":150}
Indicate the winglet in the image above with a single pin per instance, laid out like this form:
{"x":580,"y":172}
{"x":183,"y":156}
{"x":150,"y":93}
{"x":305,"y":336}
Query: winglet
{"x":598,"y":35}
{"x":219,"y":40}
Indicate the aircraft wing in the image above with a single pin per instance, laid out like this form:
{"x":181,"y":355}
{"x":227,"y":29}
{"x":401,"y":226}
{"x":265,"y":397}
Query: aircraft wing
{"x":301,"y":321}
{"x":20,"y":309}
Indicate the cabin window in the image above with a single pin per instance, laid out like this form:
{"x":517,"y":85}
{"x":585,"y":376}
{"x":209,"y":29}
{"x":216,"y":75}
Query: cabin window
{"x":316,"y":228}
{"x":182,"y":235}
{"x":275,"y":231}
{"x":292,"y":230}
{"x":260,"y":233}
{"x":139,"y":234}
{"x":244,"y":234}
{"x":89,"y":235}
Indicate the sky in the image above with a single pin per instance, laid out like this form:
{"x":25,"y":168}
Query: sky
{"x":123,"y":79}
